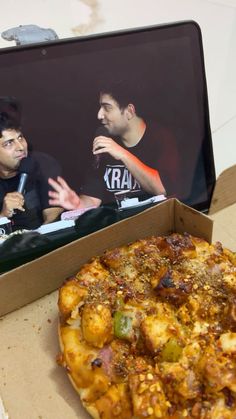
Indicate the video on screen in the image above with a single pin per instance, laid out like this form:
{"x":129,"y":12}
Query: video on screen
{"x":121,"y":119}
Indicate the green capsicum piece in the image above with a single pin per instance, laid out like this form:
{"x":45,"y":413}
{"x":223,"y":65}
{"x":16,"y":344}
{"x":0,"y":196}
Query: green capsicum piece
{"x":123,"y":326}
{"x":172,"y":351}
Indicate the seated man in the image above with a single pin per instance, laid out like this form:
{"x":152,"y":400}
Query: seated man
{"x":130,"y":155}
{"x":30,"y":209}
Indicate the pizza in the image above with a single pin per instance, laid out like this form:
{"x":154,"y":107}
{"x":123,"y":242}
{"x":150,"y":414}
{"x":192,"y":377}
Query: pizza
{"x":148,"y":330}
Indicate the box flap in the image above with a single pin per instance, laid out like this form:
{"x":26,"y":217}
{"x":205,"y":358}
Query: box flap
{"x":225,"y":227}
{"x":224,"y":193}
{"x":43,"y":275}
{"x":189,"y":220}
{"x":38,"y":278}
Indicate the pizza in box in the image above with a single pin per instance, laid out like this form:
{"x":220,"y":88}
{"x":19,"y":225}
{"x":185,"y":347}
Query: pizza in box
{"x":148,"y":330}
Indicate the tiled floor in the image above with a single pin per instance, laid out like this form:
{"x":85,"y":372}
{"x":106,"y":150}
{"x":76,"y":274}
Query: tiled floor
{"x":217,"y":19}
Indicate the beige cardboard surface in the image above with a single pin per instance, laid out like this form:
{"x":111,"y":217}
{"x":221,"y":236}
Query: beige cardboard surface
{"x":37,"y":278}
{"x":32,"y":385}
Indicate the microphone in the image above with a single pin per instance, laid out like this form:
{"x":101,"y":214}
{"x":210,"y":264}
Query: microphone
{"x":104,"y":132}
{"x":25,"y":169}
{"x":22,"y":182}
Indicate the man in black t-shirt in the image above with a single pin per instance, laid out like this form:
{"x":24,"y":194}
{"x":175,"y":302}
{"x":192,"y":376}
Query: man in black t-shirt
{"x":30,"y":209}
{"x":129,"y":160}
{"x":153,"y":151}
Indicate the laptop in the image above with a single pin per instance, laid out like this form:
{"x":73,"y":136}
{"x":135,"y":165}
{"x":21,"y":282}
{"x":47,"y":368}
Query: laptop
{"x":58,"y":85}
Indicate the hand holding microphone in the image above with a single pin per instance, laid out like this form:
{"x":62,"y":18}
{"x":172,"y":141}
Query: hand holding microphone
{"x":15,"y":200}
{"x":12,"y":201}
{"x":103,"y":143}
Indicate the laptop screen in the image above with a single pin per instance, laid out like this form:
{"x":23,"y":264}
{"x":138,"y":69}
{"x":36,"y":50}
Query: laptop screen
{"x":61,"y":87}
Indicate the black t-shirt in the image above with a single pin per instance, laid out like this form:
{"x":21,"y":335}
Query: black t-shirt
{"x":157,"y":149}
{"x":36,"y":191}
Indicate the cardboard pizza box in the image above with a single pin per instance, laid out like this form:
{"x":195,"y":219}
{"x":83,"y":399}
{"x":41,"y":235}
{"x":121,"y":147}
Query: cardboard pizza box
{"x":32,"y":385}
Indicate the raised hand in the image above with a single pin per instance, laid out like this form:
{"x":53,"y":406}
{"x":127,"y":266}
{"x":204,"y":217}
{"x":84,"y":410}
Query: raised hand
{"x":63,"y":195}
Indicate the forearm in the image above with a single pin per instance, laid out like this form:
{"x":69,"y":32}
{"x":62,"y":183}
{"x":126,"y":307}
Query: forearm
{"x":51,"y":214}
{"x":88,"y":201}
{"x":147,"y":177}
